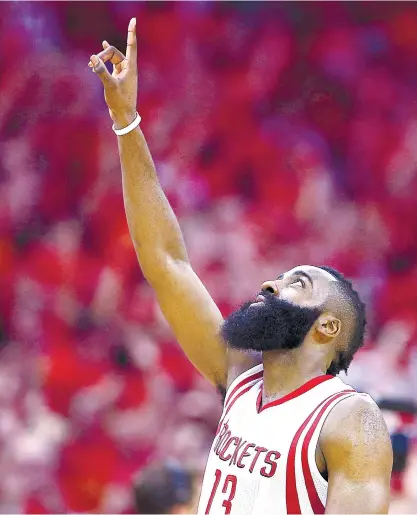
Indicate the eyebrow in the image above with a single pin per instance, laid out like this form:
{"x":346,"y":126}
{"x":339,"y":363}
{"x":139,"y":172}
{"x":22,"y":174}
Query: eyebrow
{"x":304,"y":274}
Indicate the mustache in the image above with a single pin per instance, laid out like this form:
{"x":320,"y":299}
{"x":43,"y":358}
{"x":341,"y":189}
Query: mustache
{"x":270,"y":299}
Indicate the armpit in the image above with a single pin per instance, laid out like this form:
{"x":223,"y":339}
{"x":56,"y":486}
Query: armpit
{"x":222,"y":392}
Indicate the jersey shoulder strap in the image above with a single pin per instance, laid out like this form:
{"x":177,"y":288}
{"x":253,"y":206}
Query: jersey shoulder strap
{"x":242,"y":382}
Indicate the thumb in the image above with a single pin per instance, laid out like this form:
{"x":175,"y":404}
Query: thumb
{"x":100,"y":69}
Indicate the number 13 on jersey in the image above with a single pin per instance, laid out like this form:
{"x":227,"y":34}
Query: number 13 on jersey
{"x":229,"y":487}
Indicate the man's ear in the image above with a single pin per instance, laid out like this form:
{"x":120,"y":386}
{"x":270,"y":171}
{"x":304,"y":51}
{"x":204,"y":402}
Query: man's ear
{"x":327,"y":327}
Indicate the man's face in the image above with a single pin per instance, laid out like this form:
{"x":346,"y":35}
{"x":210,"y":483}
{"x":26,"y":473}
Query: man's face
{"x":282,"y":314}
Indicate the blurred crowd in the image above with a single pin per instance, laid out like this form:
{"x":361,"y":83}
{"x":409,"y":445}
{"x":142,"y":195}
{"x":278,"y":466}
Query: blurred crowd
{"x":283,"y":134}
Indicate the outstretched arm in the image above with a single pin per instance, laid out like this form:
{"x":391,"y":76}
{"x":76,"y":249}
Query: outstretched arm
{"x":156,"y":235}
{"x":357,"y":449}
{"x":154,"y":229}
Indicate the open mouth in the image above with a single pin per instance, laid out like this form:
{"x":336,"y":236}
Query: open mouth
{"x":260,"y":299}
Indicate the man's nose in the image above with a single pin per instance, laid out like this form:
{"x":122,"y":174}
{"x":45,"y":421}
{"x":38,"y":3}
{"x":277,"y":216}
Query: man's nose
{"x":270,"y":286}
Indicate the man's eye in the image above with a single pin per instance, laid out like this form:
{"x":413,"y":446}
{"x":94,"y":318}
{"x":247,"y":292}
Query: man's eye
{"x":299,"y":282}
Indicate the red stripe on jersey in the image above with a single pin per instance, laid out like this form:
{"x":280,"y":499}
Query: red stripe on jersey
{"x":247,"y":380}
{"x":236,"y":398}
{"x":296,"y":393}
{"x":315,"y":501}
{"x":293,"y":503}
{"x":229,"y":407}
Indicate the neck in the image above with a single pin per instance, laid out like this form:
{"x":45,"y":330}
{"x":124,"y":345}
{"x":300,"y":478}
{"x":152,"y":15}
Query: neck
{"x":287,"y":370}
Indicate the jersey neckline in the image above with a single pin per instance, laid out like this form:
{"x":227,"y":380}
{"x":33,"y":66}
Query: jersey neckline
{"x":309,"y":385}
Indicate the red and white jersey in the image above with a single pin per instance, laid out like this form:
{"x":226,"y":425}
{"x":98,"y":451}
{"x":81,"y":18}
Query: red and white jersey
{"x":262,"y":460}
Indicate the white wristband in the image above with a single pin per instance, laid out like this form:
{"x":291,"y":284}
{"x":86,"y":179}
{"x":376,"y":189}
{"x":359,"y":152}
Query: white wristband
{"x":129,"y":128}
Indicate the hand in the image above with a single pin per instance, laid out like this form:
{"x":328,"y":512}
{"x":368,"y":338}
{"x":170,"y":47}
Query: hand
{"x":121,"y":87}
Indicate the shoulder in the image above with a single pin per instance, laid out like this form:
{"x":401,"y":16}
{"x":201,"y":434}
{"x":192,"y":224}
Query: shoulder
{"x":355,"y":428}
{"x":357,"y":450}
{"x":241,"y":366}
{"x":358,"y":412}
{"x":239,"y":383}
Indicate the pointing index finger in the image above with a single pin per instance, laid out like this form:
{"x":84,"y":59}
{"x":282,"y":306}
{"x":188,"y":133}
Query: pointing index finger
{"x":131,"y":49}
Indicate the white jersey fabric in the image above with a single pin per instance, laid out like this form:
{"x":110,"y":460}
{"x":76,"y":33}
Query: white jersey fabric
{"x":262,"y":460}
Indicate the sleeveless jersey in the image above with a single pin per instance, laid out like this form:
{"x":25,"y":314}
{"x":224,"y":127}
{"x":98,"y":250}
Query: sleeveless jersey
{"x":262,"y":460}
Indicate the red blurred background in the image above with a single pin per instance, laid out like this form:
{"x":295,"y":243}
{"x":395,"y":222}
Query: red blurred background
{"x":283,"y":133}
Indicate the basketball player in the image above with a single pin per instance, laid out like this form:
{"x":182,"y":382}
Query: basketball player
{"x":163,"y":488}
{"x":293,"y":438}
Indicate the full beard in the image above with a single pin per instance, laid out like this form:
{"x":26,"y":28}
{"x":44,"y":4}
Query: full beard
{"x":273,"y":325}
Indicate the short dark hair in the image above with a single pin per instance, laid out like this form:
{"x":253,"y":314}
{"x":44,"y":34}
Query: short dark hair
{"x":159,"y":487}
{"x":356,"y":341}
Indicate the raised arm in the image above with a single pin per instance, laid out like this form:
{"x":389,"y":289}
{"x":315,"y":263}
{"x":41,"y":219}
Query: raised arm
{"x":154,"y":229}
{"x":357,"y":449}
